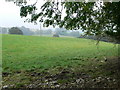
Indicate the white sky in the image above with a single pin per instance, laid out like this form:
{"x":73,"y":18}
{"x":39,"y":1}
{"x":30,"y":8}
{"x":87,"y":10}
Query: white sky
{"x":9,"y":15}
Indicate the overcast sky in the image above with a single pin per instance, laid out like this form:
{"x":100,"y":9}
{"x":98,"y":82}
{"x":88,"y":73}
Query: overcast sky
{"x":9,"y":15}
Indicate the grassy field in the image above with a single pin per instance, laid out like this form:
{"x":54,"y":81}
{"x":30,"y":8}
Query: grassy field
{"x":23,"y":55}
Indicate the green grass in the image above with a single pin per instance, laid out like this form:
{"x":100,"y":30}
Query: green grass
{"x":42,"y":53}
{"x":28,"y":60}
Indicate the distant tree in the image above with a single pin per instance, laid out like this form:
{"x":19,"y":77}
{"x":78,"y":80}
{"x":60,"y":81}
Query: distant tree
{"x":15,"y":30}
{"x":74,"y":33}
{"x":26,"y":31}
{"x":49,"y":31}
{"x":55,"y":35}
{"x":3,"y":30}
{"x":60,"y":31}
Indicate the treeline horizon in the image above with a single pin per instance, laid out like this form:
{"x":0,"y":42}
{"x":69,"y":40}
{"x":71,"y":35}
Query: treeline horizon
{"x":58,"y":31}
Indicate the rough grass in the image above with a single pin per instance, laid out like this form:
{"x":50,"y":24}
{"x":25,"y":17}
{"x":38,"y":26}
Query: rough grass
{"x":28,"y":55}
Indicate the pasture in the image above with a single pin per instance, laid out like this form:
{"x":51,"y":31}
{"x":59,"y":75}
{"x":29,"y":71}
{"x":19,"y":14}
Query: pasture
{"x":26,"y":59}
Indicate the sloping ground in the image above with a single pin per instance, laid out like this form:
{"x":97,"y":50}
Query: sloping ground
{"x":96,"y":77}
{"x":49,"y":62}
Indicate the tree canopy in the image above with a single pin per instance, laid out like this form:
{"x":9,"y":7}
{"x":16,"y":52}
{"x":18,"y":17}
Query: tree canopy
{"x":15,"y":30}
{"x":93,"y":18}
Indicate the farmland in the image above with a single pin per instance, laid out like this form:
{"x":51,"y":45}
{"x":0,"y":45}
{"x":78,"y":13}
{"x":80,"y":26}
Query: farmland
{"x":26,"y":59}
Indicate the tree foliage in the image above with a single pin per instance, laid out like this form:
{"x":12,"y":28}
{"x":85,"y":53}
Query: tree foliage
{"x":15,"y":30}
{"x":93,"y":18}
{"x":113,"y":15}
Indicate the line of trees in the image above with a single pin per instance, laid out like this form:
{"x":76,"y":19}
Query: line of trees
{"x":26,"y":31}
